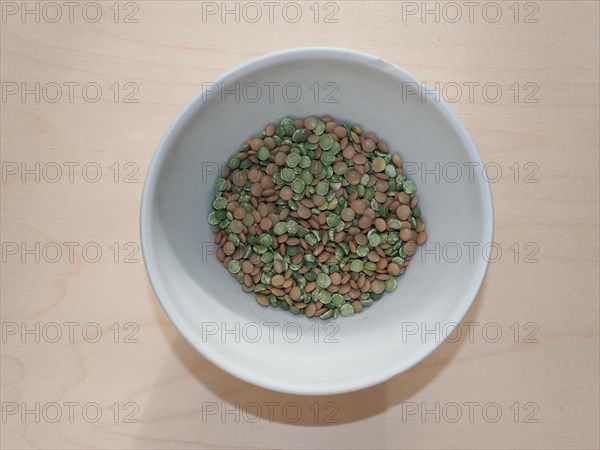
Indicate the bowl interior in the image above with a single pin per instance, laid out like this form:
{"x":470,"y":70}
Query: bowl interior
{"x":271,"y":347}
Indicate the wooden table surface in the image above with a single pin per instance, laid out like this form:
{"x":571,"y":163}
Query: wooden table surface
{"x":89,"y":359}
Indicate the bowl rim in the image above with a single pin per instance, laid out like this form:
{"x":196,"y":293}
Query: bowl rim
{"x":149,"y":195}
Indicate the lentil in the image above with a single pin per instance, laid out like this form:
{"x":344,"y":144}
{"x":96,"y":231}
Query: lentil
{"x":316,"y":217}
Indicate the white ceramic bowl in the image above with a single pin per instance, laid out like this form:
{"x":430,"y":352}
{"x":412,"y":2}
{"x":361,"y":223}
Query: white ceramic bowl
{"x":273,"y":348}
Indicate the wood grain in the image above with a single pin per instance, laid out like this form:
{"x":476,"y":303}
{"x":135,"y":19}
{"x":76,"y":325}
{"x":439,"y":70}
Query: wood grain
{"x":545,"y":383}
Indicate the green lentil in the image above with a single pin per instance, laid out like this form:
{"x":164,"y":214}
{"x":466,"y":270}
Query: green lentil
{"x":409,"y":187}
{"x":291,"y":227}
{"x":298,"y":185}
{"x":327,"y":314}
{"x":390,"y":284}
{"x":325,"y":297}
{"x":322,"y":188}
{"x":220,"y":184}
{"x":395,"y":224}
{"x":323,"y":280}
{"x":347,"y":310}
{"x":233,"y":162}
{"x":288,"y":174}
{"x":362,"y":251}
{"x":304,"y":162}
{"x":333,"y":220}
{"x":263,"y":154}
{"x":320,"y":128}
{"x":293,"y":159}
{"x":374,"y":240}
{"x":311,"y":240}
{"x":327,"y":158}
{"x":337,"y":300}
{"x":234,"y":266}
{"x":213,"y":219}
{"x":280,"y":228}
{"x":369,"y":265}
{"x":300,"y":135}
{"x":266,"y":240}
{"x":219,"y":203}
{"x":326,"y":142}
{"x":357,"y":265}
{"x":307,"y":177}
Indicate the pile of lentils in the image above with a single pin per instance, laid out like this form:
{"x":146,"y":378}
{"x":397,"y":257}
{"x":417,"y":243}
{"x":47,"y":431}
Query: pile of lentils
{"x":316,"y":217}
